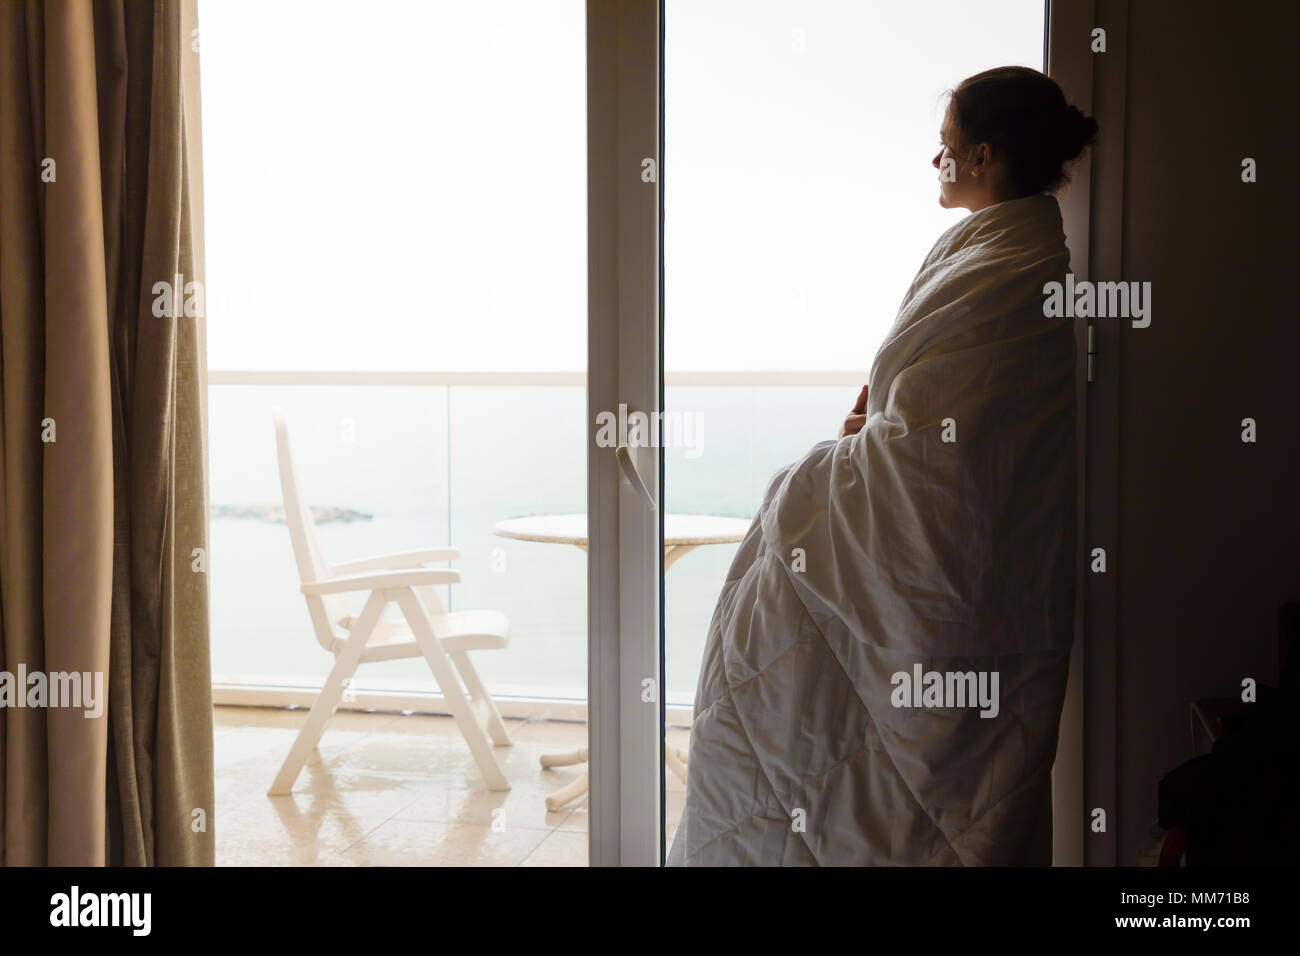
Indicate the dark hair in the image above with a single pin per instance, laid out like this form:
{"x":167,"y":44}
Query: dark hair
{"x":1023,"y":115}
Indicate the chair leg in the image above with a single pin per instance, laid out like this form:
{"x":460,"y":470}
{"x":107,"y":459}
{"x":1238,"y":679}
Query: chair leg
{"x":496,"y":728}
{"x":568,"y":793}
{"x":479,"y":745}
{"x":328,"y":700}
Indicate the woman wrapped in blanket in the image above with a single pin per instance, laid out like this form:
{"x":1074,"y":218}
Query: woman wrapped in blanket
{"x":884,"y":672}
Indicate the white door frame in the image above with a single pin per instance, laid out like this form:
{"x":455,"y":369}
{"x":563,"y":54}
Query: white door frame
{"x":624,"y":516}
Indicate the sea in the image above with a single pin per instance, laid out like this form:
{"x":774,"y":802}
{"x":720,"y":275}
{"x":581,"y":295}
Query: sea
{"x":409,"y":467}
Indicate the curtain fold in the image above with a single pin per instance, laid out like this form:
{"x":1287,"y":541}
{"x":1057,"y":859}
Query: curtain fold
{"x":103,"y":530}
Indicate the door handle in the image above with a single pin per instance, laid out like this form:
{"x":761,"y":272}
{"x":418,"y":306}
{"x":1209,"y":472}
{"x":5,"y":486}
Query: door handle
{"x":624,"y":456}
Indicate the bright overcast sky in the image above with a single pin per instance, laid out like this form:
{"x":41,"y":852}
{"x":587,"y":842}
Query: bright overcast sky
{"x":405,"y":189}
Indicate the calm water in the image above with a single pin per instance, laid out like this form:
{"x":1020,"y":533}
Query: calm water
{"x":437,"y":466}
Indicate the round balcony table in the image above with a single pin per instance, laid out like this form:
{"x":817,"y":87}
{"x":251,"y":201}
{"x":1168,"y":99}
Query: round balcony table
{"x":682,"y":534}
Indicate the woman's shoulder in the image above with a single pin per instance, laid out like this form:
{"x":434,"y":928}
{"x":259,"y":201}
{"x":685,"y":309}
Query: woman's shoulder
{"x":1015,"y":224}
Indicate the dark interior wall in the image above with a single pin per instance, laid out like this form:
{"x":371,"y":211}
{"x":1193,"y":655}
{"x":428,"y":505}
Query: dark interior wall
{"x":1209,"y":527}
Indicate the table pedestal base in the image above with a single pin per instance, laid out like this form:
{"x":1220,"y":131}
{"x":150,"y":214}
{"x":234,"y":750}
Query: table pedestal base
{"x":674,"y":760}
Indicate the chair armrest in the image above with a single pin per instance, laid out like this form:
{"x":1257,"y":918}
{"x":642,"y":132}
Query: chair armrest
{"x":392,"y":562}
{"x":381,"y":581}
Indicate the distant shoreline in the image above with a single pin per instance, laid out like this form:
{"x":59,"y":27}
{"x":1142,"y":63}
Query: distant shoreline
{"x":275,"y":514}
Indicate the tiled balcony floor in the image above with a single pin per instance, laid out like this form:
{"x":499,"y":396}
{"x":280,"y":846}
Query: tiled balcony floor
{"x":392,"y":790}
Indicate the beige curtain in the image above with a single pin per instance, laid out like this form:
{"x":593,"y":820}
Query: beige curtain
{"x":103,"y":498}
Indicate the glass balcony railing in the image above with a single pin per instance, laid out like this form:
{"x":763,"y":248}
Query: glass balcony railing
{"x":397,"y":462}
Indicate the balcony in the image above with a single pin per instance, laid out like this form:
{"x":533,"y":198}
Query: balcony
{"x":394,"y":461}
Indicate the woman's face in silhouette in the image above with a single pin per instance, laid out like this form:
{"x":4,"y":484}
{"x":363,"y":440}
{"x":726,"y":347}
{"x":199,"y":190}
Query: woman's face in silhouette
{"x":966,"y":176}
{"x":948,"y":163}
{"x":954,"y":169}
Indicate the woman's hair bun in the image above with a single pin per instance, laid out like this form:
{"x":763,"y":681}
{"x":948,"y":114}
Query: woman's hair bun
{"x":1078,"y":133}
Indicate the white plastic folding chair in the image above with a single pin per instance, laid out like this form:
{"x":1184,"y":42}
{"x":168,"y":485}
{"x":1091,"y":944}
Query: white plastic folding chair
{"x":427,"y":630}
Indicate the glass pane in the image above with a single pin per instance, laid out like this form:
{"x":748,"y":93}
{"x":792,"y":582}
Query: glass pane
{"x":533,"y":468}
{"x":373,"y":463}
{"x":402,"y":191}
{"x":799,"y":195}
{"x":799,"y":203}
{"x":421,"y":189}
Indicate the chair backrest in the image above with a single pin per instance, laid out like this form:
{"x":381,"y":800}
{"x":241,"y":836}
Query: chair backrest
{"x":306,"y":549}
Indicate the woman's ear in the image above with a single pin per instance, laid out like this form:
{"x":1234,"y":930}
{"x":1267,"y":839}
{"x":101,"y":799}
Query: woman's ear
{"x":980,"y":159}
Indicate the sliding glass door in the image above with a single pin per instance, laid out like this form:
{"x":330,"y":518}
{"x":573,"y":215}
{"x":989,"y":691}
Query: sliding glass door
{"x":451,"y":263}
{"x":433,"y":244}
{"x":396,"y":229}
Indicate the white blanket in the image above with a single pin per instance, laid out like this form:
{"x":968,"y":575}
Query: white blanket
{"x":941,"y":538}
